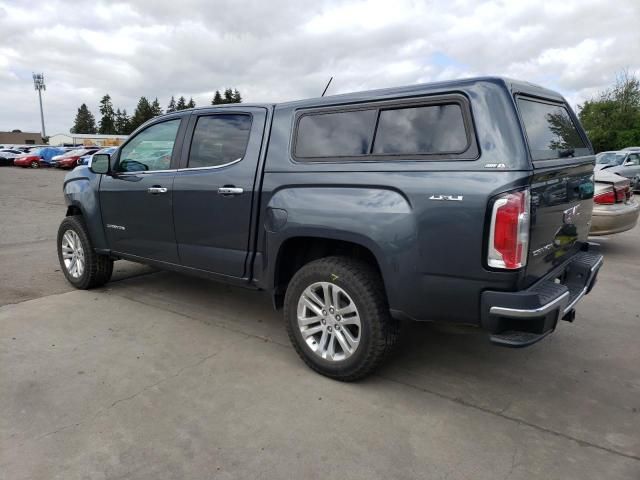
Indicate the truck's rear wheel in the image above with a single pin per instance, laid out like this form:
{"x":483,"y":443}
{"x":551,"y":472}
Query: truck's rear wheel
{"x":82,"y":266}
{"x":338,"y":319}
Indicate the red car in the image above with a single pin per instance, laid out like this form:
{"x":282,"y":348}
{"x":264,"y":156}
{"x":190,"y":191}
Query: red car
{"x":37,"y":157}
{"x":70,"y":159}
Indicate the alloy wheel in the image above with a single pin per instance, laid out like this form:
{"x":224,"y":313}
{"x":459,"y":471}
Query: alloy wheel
{"x":329,"y":321}
{"x":73,"y":254}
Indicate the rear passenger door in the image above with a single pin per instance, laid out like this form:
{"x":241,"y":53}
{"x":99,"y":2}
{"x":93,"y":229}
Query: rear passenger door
{"x":213,"y":191}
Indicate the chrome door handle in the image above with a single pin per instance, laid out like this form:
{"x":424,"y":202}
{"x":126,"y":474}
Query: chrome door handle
{"x":155,"y":190}
{"x":230,"y":191}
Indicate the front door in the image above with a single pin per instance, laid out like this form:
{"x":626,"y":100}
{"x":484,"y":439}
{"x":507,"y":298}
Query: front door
{"x":136,"y":199}
{"x":214,"y":191}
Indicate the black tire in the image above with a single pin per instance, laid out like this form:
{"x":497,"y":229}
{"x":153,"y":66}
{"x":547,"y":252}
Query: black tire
{"x":35,"y":164}
{"x":378,"y":331}
{"x":97,"y":268}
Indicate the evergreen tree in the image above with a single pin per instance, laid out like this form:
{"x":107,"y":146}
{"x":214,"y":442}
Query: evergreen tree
{"x":143,"y":112}
{"x":182,"y":103}
{"x":228,"y":96}
{"x":123,"y":126}
{"x":107,"y":122}
{"x":217,"y":98}
{"x":155,"y":108}
{"x":236,"y":96}
{"x":85,"y":122}
{"x":191,"y":103}
{"x":172,"y":105}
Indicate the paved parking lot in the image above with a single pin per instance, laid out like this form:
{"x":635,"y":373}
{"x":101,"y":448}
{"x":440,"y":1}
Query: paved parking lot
{"x":160,"y":376}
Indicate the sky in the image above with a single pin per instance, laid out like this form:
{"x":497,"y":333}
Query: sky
{"x":277,"y":50}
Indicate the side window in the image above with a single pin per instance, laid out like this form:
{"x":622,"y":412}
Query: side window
{"x":421,"y":130}
{"x":431,"y":129}
{"x":150,"y":149}
{"x":339,"y":134}
{"x":634,"y":158}
{"x":219,"y":140}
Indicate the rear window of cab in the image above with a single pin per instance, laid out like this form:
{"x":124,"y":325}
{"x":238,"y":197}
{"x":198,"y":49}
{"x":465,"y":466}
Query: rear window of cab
{"x":430,"y":129}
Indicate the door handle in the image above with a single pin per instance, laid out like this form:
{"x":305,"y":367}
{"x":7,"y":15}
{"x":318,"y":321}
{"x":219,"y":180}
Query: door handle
{"x":230,"y":191}
{"x":155,"y":190}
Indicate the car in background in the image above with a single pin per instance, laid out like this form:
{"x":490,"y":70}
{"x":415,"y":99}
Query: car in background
{"x":634,"y":149}
{"x":7,"y":156}
{"x":622,"y":162}
{"x":70,"y":159}
{"x":36,"y":158}
{"x":615,"y":209}
{"x":86,"y":159}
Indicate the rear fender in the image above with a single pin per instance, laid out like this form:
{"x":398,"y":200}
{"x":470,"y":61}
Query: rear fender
{"x":377,"y":218}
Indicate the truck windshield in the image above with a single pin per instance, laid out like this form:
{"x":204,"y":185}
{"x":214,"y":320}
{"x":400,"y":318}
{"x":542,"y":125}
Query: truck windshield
{"x":550,"y":131}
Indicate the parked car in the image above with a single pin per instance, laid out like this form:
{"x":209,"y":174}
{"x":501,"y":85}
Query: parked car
{"x":466,"y":201}
{"x":38,"y":157}
{"x":70,"y":159}
{"x":86,"y":159}
{"x":7,"y":156}
{"x":636,"y":149}
{"x":615,"y":208}
{"x":624,"y":162}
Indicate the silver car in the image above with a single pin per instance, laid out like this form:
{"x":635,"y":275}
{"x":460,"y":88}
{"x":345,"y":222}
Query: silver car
{"x":623,"y":162}
{"x":615,"y":209}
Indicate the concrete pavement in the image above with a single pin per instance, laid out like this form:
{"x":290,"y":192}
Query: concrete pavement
{"x":164,"y":376}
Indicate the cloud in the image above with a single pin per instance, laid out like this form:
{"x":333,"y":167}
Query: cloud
{"x":284,"y":50}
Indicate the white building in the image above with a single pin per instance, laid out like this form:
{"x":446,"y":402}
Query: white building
{"x":70,"y":139}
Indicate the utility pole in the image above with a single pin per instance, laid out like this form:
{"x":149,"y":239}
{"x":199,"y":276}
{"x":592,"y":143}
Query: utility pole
{"x":38,"y":83}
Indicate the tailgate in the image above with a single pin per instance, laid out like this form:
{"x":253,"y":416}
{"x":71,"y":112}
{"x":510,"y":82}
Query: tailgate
{"x":561,"y":206}
{"x":562,"y":185}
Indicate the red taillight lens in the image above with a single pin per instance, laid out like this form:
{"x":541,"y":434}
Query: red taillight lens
{"x":605,"y":198}
{"x":509,"y":235}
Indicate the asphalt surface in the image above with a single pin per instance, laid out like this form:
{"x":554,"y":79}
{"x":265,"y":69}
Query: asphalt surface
{"x":162,"y":376}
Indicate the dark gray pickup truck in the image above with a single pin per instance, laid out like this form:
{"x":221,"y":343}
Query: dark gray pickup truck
{"x":466,"y":201}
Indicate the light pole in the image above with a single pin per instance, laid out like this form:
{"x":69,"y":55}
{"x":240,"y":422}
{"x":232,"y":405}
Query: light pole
{"x":38,"y":83}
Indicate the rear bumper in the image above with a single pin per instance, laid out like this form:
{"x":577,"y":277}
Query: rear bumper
{"x":608,"y":219}
{"x":519,"y":319}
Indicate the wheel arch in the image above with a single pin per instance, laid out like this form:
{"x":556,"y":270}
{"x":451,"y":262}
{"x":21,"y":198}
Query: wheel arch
{"x":298,"y":250}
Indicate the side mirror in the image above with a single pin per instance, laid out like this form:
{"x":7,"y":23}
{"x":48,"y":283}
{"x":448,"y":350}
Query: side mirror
{"x":628,"y":163}
{"x":100,"y":163}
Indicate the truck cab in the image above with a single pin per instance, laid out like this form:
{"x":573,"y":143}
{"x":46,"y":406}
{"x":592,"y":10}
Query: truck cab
{"x":465,"y":202}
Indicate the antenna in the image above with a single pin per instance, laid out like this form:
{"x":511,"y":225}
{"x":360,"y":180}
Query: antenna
{"x":327,"y":87}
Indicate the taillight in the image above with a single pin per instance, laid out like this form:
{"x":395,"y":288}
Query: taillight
{"x":509,"y":235}
{"x":605,"y":198}
{"x":622,"y":194}
{"x":613,"y":195}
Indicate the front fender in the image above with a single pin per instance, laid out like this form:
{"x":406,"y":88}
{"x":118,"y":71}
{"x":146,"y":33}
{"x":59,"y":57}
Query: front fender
{"x":82,"y":190}
{"x":377,"y":218}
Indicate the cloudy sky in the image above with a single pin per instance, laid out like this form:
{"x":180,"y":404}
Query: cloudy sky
{"x":275,"y":50}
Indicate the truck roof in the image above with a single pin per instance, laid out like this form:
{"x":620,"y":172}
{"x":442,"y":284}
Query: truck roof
{"x":514,"y":86}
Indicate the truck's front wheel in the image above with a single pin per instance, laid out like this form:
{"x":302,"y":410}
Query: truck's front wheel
{"x":338,"y":319}
{"x":82,"y":266}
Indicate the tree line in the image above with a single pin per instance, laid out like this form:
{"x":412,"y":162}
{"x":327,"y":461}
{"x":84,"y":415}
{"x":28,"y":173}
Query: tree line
{"x":612,"y":118}
{"x":118,"y":122}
